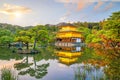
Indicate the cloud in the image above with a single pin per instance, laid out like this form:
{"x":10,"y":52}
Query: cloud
{"x":73,"y":6}
{"x":75,"y":1}
{"x":63,"y":18}
{"x":66,"y":1}
{"x":109,"y":6}
{"x":80,"y":3}
{"x":14,"y":9}
{"x":99,"y":4}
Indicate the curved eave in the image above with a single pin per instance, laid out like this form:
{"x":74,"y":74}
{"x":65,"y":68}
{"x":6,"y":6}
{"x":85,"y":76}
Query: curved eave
{"x":69,"y":37}
{"x":68,"y":32}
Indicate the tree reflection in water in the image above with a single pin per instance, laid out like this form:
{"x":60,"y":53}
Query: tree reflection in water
{"x":24,"y":64}
{"x":112,"y":57}
{"x":88,"y":72}
{"x":38,"y":71}
{"x":113,"y":70}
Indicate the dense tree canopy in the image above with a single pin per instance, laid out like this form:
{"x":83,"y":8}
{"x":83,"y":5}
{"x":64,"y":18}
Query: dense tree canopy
{"x":6,"y":37}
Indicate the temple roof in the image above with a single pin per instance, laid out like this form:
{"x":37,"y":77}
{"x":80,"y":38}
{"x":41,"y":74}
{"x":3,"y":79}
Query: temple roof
{"x":69,"y":31}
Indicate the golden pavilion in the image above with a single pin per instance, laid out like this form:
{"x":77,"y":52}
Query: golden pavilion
{"x":68,"y":35}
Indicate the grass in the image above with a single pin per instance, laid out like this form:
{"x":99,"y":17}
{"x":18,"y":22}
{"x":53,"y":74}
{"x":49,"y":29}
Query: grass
{"x":6,"y":74}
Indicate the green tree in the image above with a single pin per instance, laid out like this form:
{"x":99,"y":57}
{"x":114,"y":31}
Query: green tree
{"x":39,"y":35}
{"x":43,"y":37}
{"x":6,"y":37}
{"x":115,"y":16}
{"x":110,"y":44}
{"x":24,"y":37}
{"x":4,"y":32}
{"x":112,"y":31}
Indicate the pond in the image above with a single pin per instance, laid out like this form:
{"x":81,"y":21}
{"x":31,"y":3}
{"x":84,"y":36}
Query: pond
{"x":58,"y":64}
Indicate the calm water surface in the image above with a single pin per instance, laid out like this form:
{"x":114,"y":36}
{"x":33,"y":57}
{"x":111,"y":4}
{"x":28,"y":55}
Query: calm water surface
{"x":47,"y":66}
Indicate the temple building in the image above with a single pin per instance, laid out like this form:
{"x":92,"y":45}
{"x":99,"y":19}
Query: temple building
{"x":68,"y":35}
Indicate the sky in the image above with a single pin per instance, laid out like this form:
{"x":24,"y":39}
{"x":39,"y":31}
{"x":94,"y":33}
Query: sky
{"x":34,"y":12}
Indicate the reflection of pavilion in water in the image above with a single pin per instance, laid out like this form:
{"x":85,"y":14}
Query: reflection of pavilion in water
{"x":68,"y":55}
